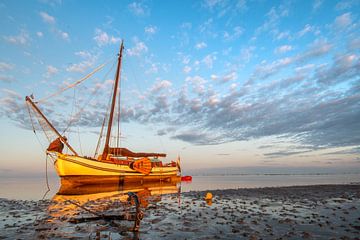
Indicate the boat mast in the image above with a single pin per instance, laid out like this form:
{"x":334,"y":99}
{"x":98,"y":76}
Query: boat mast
{"x":117,"y":78}
{"x":28,"y":99}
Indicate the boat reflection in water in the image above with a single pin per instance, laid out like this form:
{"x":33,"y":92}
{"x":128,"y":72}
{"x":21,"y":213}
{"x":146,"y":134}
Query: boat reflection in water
{"x":102,"y":211}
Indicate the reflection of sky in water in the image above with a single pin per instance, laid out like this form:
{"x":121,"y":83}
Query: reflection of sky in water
{"x":104,"y":208}
{"x":34,"y":188}
{"x":200,"y":183}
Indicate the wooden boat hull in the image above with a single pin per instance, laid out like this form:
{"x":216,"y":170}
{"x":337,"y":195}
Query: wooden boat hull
{"x":75,"y":170}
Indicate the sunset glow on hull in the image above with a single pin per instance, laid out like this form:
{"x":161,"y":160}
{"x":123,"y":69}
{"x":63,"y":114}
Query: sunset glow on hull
{"x":79,"y":170}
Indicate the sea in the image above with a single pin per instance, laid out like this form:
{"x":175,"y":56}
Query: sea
{"x":37,"y":188}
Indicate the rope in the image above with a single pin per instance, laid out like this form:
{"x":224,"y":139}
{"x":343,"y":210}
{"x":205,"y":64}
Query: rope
{"x":105,"y":119}
{"x":118,"y":118}
{"x":72,"y":113}
{"x":42,"y":127}
{"x":31,"y":120}
{"x":86,"y":103}
{"x":111,"y":141}
{"x":33,"y":126}
{"x":99,"y":141}
{"x":86,"y":209}
{"x":139,"y":88}
{"x":74,"y":84}
{"x":78,"y":129}
{"x":47,"y":178}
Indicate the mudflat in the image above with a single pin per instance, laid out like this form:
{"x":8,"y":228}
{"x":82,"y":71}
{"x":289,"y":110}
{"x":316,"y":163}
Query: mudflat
{"x":298,"y":212}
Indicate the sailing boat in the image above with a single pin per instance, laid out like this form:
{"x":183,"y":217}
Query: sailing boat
{"x":115,"y":164}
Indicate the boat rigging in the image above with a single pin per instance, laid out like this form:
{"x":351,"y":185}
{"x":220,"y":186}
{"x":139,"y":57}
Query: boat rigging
{"x":115,"y":164}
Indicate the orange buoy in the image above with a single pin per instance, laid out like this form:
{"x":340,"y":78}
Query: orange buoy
{"x":208,"y":196}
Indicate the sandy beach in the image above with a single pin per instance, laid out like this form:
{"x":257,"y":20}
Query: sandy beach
{"x":298,"y":212}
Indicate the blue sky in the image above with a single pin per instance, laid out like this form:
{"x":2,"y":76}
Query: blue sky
{"x":222,"y":83}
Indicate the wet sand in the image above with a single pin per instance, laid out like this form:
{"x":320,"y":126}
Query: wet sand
{"x":299,"y":212}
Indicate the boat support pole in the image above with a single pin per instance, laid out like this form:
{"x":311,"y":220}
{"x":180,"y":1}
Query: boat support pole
{"x":28,"y":99}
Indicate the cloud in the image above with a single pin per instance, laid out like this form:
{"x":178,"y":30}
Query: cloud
{"x":200,"y":45}
{"x":139,"y":9}
{"x":151,"y":30}
{"x":87,"y":62}
{"x":102,"y":38}
{"x":317,"y":4}
{"x":186,"y":69}
{"x":212,"y":3}
{"x":197,"y":83}
{"x":137,"y":50}
{"x":225,"y":8}
{"x":354,"y":44}
{"x":283,"y":49}
{"x":318,"y":48}
{"x":236,"y":33}
{"x":272,"y":22}
{"x":195,"y":138}
{"x":285,"y":153}
{"x":84,"y":54}
{"x":207,"y":28}
{"x":79,"y":67}
{"x":352,"y":150}
{"x":185,"y":59}
{"x":63,"y":35}
{"x":343,"y":21}
{"x":6,"y":66}
{"x":344,"y":68}
{"x":345,"y":4}
{"x":214,"y":77}
{"x":226,"y":78}
{"x":208,"y":60}
{"x":153,"y":68}
{"x":52,"y":3}
{"x":247,"y":53}
{"x":161,"y":85}
{"x":52,"y":22}
{"x":47,"y":18}
{"x":230,"y":76}
{"x":265,"y":70}
{"x":51,"y":70}
{"x":303,"y":107}
{"x":12,"y":106}
{"x":7,"y":78}
{"x":21,"y":39}
{"x":307,"y":28}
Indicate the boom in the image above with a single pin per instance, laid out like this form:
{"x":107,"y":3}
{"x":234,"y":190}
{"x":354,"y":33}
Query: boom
{"x":33,"y":105}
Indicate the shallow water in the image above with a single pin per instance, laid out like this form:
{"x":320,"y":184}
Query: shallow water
{"x":201,"y":183}
{"x":35,"y":188}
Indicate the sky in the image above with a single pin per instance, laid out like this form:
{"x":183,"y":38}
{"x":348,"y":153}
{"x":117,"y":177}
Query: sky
{"x":222,"y":83}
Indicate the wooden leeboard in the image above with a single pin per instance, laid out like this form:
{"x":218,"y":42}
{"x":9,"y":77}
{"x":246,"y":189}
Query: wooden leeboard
{"x":143,"y":166}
